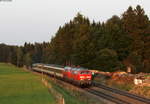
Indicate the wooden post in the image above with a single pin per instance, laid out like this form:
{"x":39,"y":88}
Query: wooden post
{"x":63,"y":101}
{"x":42,"y":79}
{"x":128,"y":69}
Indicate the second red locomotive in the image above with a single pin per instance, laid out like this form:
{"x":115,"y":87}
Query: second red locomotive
{"x":78,"y":76}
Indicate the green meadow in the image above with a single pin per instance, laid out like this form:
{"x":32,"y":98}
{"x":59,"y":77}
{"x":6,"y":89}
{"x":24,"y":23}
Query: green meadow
{"x":21,"y":87}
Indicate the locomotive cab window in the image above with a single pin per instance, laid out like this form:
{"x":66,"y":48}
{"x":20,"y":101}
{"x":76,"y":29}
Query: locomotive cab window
{"x":75,"y":72}
{"x":85,"y":72}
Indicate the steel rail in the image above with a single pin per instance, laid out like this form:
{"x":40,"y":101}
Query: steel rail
{"x":106,"y":96}
{"x":124,"y":93}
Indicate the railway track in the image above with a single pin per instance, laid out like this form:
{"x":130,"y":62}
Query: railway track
{"x":123,"y":93}
{"x":106,"y":96}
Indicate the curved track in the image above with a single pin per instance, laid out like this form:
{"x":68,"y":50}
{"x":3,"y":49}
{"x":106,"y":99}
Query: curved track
{"x":106,"y":96}
{"x":124,"y":93}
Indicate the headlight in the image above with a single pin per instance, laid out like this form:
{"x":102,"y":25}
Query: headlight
{"x":88,"y":77}
{"x":81,"y":77}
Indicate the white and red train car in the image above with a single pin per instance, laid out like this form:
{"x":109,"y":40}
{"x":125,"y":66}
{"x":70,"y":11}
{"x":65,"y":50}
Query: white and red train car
{"x":78,"y":76}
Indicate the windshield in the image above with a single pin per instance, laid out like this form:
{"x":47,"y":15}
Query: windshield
{"x":85,"y":72}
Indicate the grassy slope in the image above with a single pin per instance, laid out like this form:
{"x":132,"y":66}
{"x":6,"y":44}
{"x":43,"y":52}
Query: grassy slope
{"x":19,"y":87}
{"x":67,"y":94}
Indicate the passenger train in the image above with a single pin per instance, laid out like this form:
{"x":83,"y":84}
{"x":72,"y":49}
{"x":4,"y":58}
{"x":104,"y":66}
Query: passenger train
{"x":75,"y":75}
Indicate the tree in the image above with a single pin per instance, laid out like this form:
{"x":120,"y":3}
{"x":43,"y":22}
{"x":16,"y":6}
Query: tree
{"x":136,"y":24}
{"x":27,"y":60}
{"x":19,"y":56}
{"x":107,"y":60}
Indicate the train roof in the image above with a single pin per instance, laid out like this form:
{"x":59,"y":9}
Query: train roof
{"x":79,"y":69}
{"x":67,"y":67}
{"x":54,"y":65}
{"x":60,"y":67}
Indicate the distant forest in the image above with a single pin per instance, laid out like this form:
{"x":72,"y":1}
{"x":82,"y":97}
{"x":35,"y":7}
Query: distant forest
{"x":120,"y":42}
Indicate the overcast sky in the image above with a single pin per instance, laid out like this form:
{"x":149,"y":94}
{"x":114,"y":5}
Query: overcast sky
{"x":37,"y":20}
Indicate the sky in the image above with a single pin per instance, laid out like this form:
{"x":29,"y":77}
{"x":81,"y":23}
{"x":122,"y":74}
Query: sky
{"x":38,"y":20}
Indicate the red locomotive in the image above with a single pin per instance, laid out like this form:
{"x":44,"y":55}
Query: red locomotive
{"x":78,"y":76}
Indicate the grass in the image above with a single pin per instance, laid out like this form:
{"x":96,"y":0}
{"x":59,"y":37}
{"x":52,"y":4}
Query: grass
{"x":21,"y":87}
{"x":72,"y":95}
{"x":67,"y":94}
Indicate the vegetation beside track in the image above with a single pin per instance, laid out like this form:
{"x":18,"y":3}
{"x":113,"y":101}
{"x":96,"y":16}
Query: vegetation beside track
{"x":21,"y":87}
{"x":130,"y":87}
{"x":72,"y":94}
{"x":121,"y":86}
{"x":69,"y":97}
{"x":112,"y":83}
{"x":141,"y":90}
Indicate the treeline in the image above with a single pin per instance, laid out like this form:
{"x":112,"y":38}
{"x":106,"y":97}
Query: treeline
{"x":118,"y":43}
{"x":24,"y":55}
